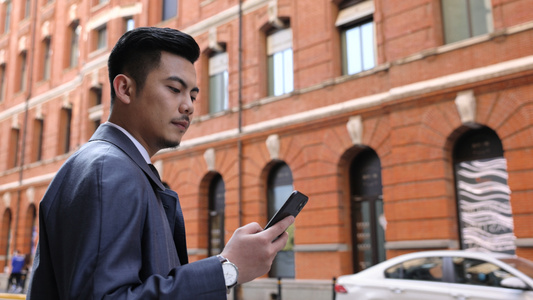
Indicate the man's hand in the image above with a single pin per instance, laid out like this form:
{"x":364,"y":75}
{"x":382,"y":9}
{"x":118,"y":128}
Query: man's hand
{"x":252,"y":250}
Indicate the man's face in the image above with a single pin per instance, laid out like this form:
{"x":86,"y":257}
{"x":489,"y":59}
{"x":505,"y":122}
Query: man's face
{"x":163,"y":108}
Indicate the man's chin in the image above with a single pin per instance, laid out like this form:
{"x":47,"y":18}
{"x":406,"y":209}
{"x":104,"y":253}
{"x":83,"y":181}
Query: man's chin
{"x":170,"y":144}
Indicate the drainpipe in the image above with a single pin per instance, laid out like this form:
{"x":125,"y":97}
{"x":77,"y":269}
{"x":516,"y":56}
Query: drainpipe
{"x":237,"y":291}
{"x":29,"y":67}
{"x":240,"y":115}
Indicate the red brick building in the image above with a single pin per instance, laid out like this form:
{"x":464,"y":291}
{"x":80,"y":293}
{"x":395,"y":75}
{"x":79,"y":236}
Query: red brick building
{"x":409,"y":124}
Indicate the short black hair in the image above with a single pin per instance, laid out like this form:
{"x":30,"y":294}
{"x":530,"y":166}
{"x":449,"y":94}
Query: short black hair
{"x":138,"y":52}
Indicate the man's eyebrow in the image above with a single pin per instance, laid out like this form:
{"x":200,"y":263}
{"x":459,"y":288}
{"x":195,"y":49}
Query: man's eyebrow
{"x":182,"y":82}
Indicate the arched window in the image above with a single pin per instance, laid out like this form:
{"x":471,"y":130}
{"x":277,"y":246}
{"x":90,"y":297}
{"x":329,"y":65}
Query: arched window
{"x":5,"y":236}
{"x":483,"y":196}
{"x":368,"y":219}
{"x":217,"y":192}
{"x":280,"y":186}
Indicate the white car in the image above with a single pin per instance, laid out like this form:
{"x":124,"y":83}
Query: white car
{"x":442,"y":275}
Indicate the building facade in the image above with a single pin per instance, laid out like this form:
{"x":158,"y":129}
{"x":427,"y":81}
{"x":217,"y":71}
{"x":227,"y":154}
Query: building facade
{"x":409,"y":124}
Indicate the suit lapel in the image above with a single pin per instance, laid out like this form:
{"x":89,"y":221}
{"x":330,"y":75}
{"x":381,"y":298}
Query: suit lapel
{"x":171,"y":202}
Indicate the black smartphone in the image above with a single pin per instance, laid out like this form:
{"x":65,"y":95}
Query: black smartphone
{"x":292,"y":206}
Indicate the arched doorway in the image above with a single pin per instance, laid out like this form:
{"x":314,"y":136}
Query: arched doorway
{"x":280,"y":186}
{"x":368,"y":219}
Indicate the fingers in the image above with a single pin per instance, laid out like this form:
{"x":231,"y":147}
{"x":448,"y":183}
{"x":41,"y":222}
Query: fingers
{"x":279,"y":228}
{"x":250,"y":228}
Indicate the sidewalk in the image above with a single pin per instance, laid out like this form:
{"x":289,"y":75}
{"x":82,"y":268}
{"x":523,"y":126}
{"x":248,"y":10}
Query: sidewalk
{"x":3,"y":286}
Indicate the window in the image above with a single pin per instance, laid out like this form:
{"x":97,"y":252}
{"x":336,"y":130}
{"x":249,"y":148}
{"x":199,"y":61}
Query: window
{"x":95,"y":96}
{"x":74,"y":45}
{"x":13,"y":148}
{"x":47,"y":57}
{"x":101,"y":38}
{"x":425,"y":268}
{"x":357,"y":37}
{"x":27,"y":9}
{"x":2,"y":81}
{"x":95,"y":109}
{"x":280,"y":186}
{"x":170,"y":9}
{"x":7,"y":16}
{"x":218,"y":83}
{"x":478,"y":272}
{"x":464,"y":19}
{"x":217,"y":191}
{"x":37,"y":140}
{"x":23,"y":65}
{"x":5,"y":236}
{"x":280,"y":63}
{"x":64,"y":130}
{"x":129,"y":24}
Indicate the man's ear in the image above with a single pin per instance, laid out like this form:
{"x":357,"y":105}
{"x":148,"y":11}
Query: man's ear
{"x":124,"y":87}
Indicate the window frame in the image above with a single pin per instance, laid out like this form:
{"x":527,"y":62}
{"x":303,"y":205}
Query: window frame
{"x":280,"y":53}
{"x":452,"y":22}
{"x":47,"y":58}
{"x":218,"y":70}
{"x":3,"y":70}
{"x":353,"y":18}
{"x":167,"y":5}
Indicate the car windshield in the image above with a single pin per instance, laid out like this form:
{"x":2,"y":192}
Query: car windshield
{"x":523,"y":265}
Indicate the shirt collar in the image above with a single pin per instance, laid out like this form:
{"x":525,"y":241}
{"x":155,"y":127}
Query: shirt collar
{"x":138,"y":145}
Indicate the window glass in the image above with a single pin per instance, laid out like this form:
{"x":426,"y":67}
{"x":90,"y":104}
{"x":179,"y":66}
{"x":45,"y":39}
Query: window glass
{"x":170,"y":9}
{"x":102,"y":38}
{"x":7,"y":18}
{"x":27,"y":9}
{"x":47,"y":58}
{"x":218,"y":83}
{"x":358,"y":50}
{"x":465,"y":19}
{"x":23,"y":70}
{"x":426,"y":268}
{"x":478,"y":272}
{"x":280,"y":63}
{"x":37,"y":139}
{"x":130,"y":24}
{"x":2,"y":81}
{"x":74,"y":43}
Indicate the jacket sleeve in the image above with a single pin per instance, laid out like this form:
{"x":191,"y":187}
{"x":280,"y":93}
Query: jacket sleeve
{"x":106,"y":237}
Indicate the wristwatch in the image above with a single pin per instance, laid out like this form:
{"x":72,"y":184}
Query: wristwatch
{"x":231,"y":272}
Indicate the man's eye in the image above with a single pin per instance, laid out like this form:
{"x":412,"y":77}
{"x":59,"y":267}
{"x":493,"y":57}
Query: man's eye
{"x":173,"y":89}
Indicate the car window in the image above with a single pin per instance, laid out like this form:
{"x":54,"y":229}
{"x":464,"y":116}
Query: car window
{"x":523,"y":265}
{"x":478,"y":272}
{"x":426,"y":268}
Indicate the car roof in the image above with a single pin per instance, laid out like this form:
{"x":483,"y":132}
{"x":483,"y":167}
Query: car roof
{"x":488,"y":256}
{"x":464,"y":253}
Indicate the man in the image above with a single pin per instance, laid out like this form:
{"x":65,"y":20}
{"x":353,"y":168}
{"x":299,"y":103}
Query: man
{"x":108,"y":228}
{"x":14,"y":281}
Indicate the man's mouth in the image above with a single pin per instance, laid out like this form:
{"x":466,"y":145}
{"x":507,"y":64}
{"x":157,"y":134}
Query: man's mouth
{"x":182,"y":124}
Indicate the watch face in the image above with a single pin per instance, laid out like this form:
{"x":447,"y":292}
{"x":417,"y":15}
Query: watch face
{"x":230,"y":274}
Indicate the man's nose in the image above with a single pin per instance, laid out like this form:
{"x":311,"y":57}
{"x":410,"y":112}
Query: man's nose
{"x":186,"y":107}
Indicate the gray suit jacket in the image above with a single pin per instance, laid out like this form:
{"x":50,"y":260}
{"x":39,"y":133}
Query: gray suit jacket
{"x":108,"y":229}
